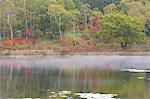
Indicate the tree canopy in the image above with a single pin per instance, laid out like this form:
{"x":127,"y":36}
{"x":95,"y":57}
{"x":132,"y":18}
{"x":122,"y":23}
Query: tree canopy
{"x":76,"y":21}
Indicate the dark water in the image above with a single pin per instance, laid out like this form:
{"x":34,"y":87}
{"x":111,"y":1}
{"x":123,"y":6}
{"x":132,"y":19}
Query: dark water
{"x":42,"y":76}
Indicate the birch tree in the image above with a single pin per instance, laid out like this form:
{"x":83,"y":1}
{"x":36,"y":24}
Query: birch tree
{"x":57,"y":11}
{"x":9,"y":12}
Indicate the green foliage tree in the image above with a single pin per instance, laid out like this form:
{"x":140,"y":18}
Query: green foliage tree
{"x":86,"y":12}
{"x":111,"y":8}
{"x":134,"y":8}
{"x":57,"y":11}
{"x":8,"y":13}
{"x":100,"y":4}
{"x":119,"y":28}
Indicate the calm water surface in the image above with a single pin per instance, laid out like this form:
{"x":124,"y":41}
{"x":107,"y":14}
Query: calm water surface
{"x":71,"y":77}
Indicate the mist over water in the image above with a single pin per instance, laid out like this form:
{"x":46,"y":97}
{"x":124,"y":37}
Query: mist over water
{"x":40,"y":76}
{"x":108,"y":62}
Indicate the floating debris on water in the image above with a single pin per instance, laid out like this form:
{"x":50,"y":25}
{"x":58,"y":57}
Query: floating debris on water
{"x":70,"y":95}
{"x":64,"y":92}
{"x":96,"y":95}
{"x":136,"y":70}
{"x":141,"y":77}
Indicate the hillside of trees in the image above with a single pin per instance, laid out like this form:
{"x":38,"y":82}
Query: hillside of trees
{"x":77,"y":25}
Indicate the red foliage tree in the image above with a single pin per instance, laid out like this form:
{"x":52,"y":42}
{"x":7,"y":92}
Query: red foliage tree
{"x":27,"y":31}
{"x":92,"y":25}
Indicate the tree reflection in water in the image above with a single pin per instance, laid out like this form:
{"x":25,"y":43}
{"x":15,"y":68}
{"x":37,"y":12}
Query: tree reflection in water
{"x":29,"y":80}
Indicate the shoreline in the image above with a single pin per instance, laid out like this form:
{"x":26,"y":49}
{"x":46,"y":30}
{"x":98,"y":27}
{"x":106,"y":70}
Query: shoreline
{"x":51,"y":52}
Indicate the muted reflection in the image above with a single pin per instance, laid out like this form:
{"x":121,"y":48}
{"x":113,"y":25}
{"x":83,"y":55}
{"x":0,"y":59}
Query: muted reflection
{"x":23,"y":77}
{"x":147,"y":74}
{"x":27,"y":82}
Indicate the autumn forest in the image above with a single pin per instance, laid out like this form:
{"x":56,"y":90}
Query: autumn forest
{"x":75,"y":25}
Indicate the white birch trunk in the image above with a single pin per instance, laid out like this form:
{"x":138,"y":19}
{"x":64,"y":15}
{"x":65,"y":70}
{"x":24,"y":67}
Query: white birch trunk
{"x":8,"y":22}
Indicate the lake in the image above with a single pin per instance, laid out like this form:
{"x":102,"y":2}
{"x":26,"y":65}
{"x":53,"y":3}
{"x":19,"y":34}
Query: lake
{"x":74,"y":77}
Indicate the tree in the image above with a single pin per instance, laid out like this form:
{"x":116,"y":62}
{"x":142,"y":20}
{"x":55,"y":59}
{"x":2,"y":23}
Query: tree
{"x":57,"y":11}
{"x":110,"y":8}
{"x":147,"y":17}
{"x":69,"y":4}
{"x":9,"y":13}
{"x":119,"y":28}
{"x":147,"y":27}
{"x":133,"y":8}
{"x":97,"y":3}
{"x":85,"y":11}
{"x":74,"y":22}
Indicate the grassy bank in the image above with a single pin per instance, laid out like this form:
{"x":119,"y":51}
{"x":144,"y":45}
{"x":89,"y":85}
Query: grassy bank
{"x":52,"y":52}
{"x":41,"y":47}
